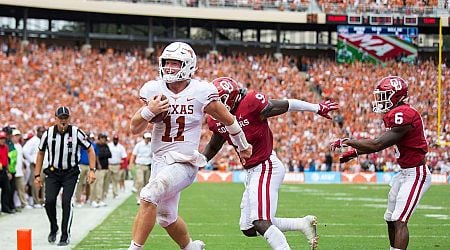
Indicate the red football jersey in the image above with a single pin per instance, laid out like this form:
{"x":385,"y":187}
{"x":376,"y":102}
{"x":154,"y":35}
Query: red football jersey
{"x":413,"y":147}
{"x":256,"y":131}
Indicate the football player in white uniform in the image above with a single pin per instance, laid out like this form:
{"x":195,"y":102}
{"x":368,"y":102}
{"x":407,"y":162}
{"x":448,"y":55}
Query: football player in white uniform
{"x":175,"y":141}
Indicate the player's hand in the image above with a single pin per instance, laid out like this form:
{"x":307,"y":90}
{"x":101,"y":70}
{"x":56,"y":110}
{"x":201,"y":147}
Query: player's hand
{"x":91,"y":177}
{"x":338,"y":144}
{"x":156,"y":105}
{"x":245,"y":154}
{"x":348,"y":155}
{"x":325,"y":107}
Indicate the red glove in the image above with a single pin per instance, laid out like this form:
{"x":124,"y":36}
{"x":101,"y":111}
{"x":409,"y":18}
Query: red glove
{"x":325,"y":107}
{"x":338,"y":144}
{"x":345,"y":157}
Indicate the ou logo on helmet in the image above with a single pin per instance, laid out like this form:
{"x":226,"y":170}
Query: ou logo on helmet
{"x":226,"y":86}
{"x":396,"y":84}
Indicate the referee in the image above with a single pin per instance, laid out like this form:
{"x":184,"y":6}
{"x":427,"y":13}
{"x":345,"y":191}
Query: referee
{"x":62,"y":142}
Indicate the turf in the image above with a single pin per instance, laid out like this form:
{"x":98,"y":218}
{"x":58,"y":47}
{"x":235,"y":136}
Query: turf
{"x":350,"y":217}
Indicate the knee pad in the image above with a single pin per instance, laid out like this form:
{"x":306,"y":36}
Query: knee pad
{"x":388,"y":215}
{"x":250,"y":232}
{"x":153,"y":191}
{"x":166,"y":219}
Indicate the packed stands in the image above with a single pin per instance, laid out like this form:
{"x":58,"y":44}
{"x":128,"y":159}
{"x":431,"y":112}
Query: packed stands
{"x":101,"y":87}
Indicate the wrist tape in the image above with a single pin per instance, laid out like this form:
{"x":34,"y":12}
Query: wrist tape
{"x":147,"y":114}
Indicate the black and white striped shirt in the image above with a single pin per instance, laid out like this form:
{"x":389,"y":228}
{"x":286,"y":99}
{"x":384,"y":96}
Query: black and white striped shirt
{"x":63,"y":149}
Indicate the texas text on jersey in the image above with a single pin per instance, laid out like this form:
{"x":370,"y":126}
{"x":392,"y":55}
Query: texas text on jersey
{"x":179,"y":130}
{"x":256,"y":131}
{"x":413,"y":146}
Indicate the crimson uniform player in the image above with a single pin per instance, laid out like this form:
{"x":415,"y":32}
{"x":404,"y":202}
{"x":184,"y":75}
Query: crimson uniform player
{"x":404,"y":131}
{"x":265,"y":172}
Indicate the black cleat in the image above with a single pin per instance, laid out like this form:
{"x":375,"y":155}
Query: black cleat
{"x":52,"y":238}
{"x":64,"y":241}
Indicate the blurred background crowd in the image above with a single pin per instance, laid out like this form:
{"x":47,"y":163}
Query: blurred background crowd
{"x":101,"y":88}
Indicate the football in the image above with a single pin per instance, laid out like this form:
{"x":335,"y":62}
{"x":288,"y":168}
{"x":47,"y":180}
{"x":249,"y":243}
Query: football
{"x":159,"y":117}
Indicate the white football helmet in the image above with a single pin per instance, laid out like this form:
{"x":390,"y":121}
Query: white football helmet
{"x":181,"y":52}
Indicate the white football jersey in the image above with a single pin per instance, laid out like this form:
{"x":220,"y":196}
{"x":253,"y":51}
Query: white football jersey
{"x":180,"y":131}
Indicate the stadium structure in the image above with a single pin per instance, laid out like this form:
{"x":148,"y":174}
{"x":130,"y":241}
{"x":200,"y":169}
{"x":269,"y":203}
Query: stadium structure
{"x":286,"y":27}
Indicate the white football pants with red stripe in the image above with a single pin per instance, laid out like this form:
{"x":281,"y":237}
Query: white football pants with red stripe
{"x":260,"y":198}
{"x":407,"y":188}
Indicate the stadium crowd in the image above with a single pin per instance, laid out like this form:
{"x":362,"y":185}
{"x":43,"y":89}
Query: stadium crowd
{"x":101,"y":88}
{"x":408,"y":7}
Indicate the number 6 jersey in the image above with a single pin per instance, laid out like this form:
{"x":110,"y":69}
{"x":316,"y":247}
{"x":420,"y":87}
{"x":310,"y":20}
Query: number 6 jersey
{"x":180,"y":131}
{"x":413,"y":147}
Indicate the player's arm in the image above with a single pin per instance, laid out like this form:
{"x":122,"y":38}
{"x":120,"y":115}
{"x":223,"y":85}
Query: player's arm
{"x":138,"y":124}
{"x":214,"y":145}
{"x":274,"y":108}
{"x":367,"y":146}
{"x":217,"y":110}
{"x":387,"y":139}
{"x":142,"y":117}
{"x":278,"y":107}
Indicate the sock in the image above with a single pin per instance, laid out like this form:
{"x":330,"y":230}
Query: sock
{"x":134,"y":246}
{"x":187,"y":246}
{"x":276,"y":238}
{"x":393,"y":248}
{"x":290,"y":224}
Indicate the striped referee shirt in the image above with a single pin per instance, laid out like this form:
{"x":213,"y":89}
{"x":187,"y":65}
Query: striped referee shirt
{"x":63,"y":149}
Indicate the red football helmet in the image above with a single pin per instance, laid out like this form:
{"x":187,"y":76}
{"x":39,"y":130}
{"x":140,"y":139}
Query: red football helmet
{"x":229,"y":91}
{"x":388,"y":93}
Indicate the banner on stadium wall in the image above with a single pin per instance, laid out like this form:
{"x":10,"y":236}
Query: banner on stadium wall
{"x":358,"y":177}
{"x":439,"y":178}
{"x":385,"y":178}
{"x":322,"y":177}
{"x":214,"y":176}
{"x":294,"y":178}
{"x":314,"y":177}
{"x":239,"y":176}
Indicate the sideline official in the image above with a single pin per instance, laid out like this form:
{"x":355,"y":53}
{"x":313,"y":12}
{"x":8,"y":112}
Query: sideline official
{"x":62,"y":143}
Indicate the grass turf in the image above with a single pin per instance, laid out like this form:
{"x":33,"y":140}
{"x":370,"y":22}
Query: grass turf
{"x":350,"y":217}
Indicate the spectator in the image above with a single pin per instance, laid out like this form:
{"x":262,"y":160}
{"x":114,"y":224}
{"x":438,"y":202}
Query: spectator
{"x":118,"y":155}
{"x":30,"y":149}
{"x":19,"y":168}
{"x":141,"y":160}
{"x":83,"y":186}
{"x":5,"y":176}
{"x":99,"y":192}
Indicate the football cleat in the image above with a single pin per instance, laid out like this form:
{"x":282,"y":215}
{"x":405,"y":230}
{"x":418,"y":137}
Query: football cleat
{"x":196,"y":245}
{"x":311,"y":231}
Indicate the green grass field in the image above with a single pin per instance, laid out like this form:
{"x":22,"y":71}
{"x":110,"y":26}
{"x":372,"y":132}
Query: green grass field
{"x":350,"y":217}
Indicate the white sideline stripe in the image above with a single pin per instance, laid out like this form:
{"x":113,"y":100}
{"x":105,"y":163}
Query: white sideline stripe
{"x":321,"y":236}
{"x":377,"y":236}
{"x":324,"y":224}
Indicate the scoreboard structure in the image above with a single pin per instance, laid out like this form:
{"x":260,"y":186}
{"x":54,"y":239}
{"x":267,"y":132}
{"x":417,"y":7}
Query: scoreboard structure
{"x":386,"y":20}
{"x":376,"y":43}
